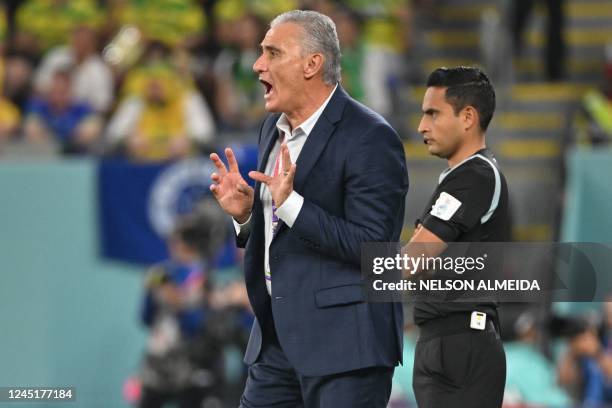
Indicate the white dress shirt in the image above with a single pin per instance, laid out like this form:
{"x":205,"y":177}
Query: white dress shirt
{"x":290,"y":209}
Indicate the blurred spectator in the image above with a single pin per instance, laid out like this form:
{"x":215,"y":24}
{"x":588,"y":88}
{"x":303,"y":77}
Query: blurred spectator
{"x":9,"y":114}
{"x":174,"y":22}
{"x":586,"y":368}
{"x":239,"y":95}
{"x":349,"y":27}
{"x":18,"y":70}
{"x":180,"y":364}
{"x":606,"y":327}
{"x":92,"y":80}
{"x":223,"y":38}
{"x":3,"y":23}
{"x":156,"y":56}
{"x":18,"y":61}
{"x":10,"y":6}
{"x":554,"y":53}
{"x":49,"y":23}
{"x":425,"y":7}
{"x":164,"y":120}
{"x":9,"y":119}
{"x":386,"y":33}
{"x":531,"y":378}
{"x":191,"y":322}
{"x":57,"y":117}
{"x":265,"y":10}
{"x":225,"y":14}
{"x":593,"y":124}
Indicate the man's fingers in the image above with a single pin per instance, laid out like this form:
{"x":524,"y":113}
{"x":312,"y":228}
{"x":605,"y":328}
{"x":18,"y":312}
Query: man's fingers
{"x":231,"y":160}
{"x":291,"y":174}
{"x":244,"y":189}
{"x":216,"y":178}
{"x":215,"y":190}
{"x":286,"y":157}
{"x":259,"y":176}
{"x":218,"y":163}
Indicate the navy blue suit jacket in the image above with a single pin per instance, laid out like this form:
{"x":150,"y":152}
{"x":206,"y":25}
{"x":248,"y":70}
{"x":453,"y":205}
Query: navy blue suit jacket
{"x":352,"y":175}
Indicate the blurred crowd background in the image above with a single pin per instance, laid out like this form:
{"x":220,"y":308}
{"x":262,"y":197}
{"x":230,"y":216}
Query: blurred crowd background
{"x":136,"y":304}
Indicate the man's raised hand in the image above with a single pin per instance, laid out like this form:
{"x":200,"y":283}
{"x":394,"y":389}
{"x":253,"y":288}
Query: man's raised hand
{"x":280,"y":185}
{"x":234,"y":195}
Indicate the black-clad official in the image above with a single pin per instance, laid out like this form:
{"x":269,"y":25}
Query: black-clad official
{"x":460,"y":362}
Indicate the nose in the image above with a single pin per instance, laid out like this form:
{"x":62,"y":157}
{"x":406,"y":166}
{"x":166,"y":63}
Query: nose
{"x":259,"y":65}
{"x":423,"y":126}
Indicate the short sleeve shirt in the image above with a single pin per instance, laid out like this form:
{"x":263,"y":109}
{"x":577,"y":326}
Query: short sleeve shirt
{"x":469,"y":204}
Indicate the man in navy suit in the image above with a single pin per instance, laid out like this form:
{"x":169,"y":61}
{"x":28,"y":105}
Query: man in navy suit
{"x":332,"y":175}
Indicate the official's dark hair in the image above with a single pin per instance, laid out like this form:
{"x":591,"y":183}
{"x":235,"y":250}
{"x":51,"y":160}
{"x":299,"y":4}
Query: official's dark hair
{"x":466,"y":86}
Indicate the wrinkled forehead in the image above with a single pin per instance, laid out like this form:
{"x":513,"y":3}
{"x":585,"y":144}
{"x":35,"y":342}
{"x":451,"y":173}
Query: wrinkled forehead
{"x":284,"y":35}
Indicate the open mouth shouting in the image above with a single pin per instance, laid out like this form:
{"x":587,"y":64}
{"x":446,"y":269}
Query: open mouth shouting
{"x":268,"y":86}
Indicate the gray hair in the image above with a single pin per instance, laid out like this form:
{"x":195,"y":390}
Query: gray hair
{"x":319,"y":36}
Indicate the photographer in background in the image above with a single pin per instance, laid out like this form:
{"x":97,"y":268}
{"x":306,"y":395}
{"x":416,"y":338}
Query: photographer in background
{"x":183,"y":362}
{"x":585,"y":367}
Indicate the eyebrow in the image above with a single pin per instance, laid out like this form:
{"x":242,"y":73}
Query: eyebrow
{"x":430,"y":111}
{"x":269,"y":48}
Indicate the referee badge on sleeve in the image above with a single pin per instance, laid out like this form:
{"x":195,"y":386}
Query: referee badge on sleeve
{"x":445,"y":207}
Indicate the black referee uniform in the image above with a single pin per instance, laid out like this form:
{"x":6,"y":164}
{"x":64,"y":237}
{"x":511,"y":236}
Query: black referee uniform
{"x":455,"y":365}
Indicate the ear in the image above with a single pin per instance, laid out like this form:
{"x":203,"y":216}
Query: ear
{"x":313,"y":65}
{"x":469,"y":118}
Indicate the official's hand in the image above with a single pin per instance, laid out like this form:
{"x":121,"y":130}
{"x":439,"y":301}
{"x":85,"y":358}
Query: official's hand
{"x":281,"y":185}
{"x":234,"y":195}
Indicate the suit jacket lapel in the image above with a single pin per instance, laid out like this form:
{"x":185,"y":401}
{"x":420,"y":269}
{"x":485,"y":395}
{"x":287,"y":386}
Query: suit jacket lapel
{"x":318,"y":138}
{"x":316,"y":142}
{"x":267,"y":142}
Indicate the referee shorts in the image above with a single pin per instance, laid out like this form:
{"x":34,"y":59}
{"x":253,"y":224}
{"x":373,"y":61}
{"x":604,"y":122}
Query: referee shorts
{"x":456,"y":366}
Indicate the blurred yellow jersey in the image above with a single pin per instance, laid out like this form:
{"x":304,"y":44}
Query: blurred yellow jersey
{"x":384,"y":25}
{"x":232,"y":10}
{"x":3,"y":24}
{"x":52,"y":21}
{"x":170,"y":21}
{"x":160,"y":126}
{"x":9,"y":114}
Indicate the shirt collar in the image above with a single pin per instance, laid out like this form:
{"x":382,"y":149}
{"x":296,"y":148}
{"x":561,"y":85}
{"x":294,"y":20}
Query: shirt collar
{"x":305,"y":127}
{"x":484,"y":151}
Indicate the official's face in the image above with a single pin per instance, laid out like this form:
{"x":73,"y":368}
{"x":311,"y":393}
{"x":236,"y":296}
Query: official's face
{"x":440,"y":127}
{"x":281,"y":67}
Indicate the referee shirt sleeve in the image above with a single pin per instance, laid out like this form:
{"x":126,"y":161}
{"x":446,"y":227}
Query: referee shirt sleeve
{"x":462,"y":199}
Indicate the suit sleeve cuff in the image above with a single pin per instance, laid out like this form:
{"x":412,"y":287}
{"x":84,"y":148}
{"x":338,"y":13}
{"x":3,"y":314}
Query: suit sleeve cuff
{"x":242,"y":228}
{"x":289,"y":211}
